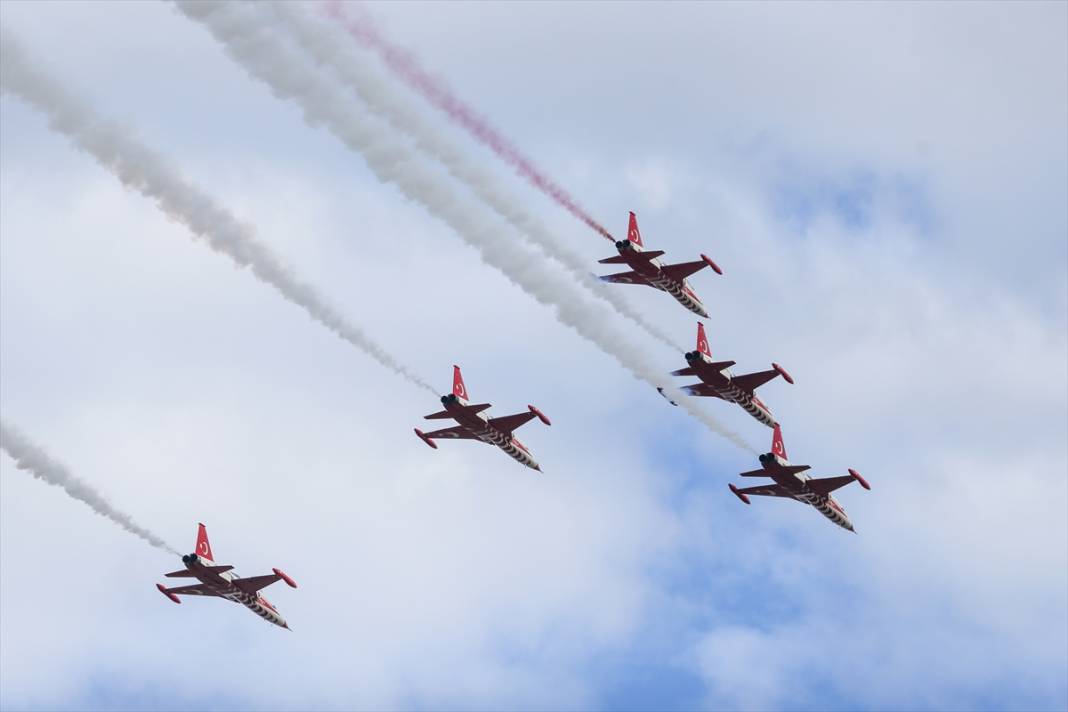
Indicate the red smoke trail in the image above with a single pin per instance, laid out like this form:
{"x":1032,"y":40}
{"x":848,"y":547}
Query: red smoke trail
{"x":405,"y":65}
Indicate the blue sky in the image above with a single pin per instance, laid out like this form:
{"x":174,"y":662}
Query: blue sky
{"x":884,"y":187}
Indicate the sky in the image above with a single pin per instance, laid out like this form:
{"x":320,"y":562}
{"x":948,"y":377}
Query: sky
{"x":884,"y":186}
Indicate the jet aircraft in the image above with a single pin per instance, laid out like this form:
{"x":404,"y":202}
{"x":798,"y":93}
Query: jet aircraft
{"x":790,"y":483}
{"x":474,"y":425}
{"x":645,"y":268}
{"x":718,"y":382}
{"x":222,"y":582}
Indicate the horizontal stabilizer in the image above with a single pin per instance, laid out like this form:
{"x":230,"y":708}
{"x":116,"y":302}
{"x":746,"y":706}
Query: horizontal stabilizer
{"x":621,"y":260}
{"x":794,"y":469}
{"x":446,"y":415}
{"x":720,"y":365}
{"x":218,"y":569}
{"x":684,"y":372}
{"x":755,"y":473}
{"x":184,"y":573}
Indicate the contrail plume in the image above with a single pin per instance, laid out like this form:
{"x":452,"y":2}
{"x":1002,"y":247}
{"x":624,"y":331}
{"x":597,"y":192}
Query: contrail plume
{"x":142,"y":169}
{"x":328,"y":45}
{"x":37,"y":462}
{"x":288,"y":74}
{"x":437,"y":93}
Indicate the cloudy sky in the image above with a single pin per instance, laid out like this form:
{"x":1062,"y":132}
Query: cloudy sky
{"x":885,"y":188}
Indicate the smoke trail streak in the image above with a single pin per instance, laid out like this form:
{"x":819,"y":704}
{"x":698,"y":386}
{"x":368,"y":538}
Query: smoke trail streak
{"x":330,"y":47}
{"x":142,"y":169}
{"x":290,"y":77}
{"x":33,"y":459}
{"x":438,"y":94}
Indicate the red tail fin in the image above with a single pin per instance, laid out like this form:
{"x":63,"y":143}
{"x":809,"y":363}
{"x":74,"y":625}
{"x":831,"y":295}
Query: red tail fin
{"x":777,"y":446}
{"x":458,"y":388}
{"x":632,"y":231}
{"x":702,"y":342}
{"x":203,"y":547}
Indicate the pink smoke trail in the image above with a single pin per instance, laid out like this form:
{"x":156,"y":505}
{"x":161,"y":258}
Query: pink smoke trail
{"x":408,"y":69}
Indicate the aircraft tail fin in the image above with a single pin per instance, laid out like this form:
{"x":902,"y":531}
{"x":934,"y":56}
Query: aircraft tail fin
{"x":777,"y":445}
{"x":458,"y":388}
{"x":702,"y":340}
{"x":632,"y":231}
{"x":203,"y":546}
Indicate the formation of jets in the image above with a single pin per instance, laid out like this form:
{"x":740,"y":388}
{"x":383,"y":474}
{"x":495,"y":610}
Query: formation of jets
{"x":472,"y":423}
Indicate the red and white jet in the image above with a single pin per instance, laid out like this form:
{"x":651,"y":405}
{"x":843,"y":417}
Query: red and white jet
{"x":790,"y":483}
{"x":474,"y":425}
{"x":222,"y":582}
{"x":646,"y":269}
{"x":718,"y":382}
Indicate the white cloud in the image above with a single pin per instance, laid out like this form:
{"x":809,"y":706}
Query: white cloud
{"x":928,"y":356}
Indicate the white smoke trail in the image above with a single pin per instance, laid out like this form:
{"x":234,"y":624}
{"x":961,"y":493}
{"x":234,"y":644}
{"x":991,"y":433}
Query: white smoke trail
{"x":330,"y":47}
{"x":142,"y":169}
{"x":33,"y":459}
{"x":289,"y":76}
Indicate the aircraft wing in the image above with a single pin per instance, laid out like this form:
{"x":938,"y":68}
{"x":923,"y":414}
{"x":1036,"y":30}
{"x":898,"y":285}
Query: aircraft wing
{"x":631,"y":277}
{"x":749,"y":382}
{"x":827,"y":485}
{"x":701,"y":389}
{"x":508,"y":423}
{"x":682,"y":270}
{"x":254,"y":583}
{"x":457,"y":432}
{"x":196,"y":590}
{"x":768,"y":491}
